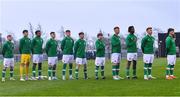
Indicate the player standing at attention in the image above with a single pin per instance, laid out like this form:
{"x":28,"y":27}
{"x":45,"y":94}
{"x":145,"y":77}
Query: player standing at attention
{"x":147,"y":46}
{"x":7,"y":52}
{"x":37,"y":52}
{"x":131,"y":44}
{"x":68,"y":57}
{"x":25,"y":51}
{"x":80,"y":54}
{"x":171,"y":54}
{"x":100,"y":55}
{"x":116,"y":54}
{"x":51,"y":51}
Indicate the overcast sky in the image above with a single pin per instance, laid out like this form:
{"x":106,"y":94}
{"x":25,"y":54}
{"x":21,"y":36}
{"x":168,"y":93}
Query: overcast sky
{"x":88,"y":15}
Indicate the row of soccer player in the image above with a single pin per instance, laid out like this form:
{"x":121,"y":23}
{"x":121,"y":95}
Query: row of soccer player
{"x":77,"y":50}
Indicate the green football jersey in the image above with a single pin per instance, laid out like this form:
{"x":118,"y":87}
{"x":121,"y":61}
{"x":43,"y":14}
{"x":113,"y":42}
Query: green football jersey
{"x":100,"y":48}
{"x":131,"y":43}
{"x":67,"y":45}
{"x":147,"y":44}
{"x":115,"y":44}
{"x":25,"y":45}
{"x":37,"y":44}
{"x":8,"y":49}
{"x":80,"y":48}
{"x":170,"y":45}
{"x":51,"y":48}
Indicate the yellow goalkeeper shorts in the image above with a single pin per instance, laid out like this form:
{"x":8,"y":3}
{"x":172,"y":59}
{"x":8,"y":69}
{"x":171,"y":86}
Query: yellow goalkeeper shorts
{"x":25,"y":58}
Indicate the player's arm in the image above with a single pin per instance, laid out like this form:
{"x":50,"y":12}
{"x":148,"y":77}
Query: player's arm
{"x":3,"y":49}
{"x":32,"y":45}
{"x":75,"y":47}
{"x":47,"y":47}
{"x":62,"y":44}
{"x":168,"y":44}
{"x":143,"y":44}
{"x":20,"y":46}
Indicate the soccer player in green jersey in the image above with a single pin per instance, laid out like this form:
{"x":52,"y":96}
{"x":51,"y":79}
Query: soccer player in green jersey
{"x":51,"y":51}
{"x":147,"y":46}
{"x":80,"y":54}
{"x":171,"y":54}
{"x":100,"y":55}
{"x":7,"y":52}
{"x":131,"y":44}
{"x":68,"y":57}
{"x":37,"y":51}
{"x":116,"y":53}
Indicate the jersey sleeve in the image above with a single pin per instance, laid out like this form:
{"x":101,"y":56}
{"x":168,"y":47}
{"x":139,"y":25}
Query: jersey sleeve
{"x":143,"y":44}
{"x":168,"y":44}
{"x":20,"y":46}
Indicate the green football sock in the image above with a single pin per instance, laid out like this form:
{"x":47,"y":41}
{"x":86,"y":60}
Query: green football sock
{"x":96,"y":71}
{"x":76,"y":73}
{"x":145,"y":69}
{"x":149,"y":68}
{"x":102,"y":71}
{"x":70,"y":69}
{"x":168,"y":69}
{"x":39,"y":69}
{"x":64,"y":70}
{"x":34,"y":70}
{"x":85,"y":71}
{"x":49,"y":71}
{"x":172,"y":70}
{"x":117,"y":69}
{"x":127,"y":68}
{"x":4,"y":72}
{"x":54,"y":70}
{"x":11,"y":71}
{"x":114,"y":70}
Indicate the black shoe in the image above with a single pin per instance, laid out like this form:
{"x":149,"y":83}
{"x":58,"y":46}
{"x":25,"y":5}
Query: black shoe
{"x":134,"y":77}
{"x":104,"y":77}
{"x":128,"y":77}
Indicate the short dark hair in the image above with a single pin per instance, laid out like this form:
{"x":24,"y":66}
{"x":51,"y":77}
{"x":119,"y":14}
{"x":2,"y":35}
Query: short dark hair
{"x":68,"y":31}
{"x":25,"y":31}
{"x":52,"y":33}
{"x":116,"y":27}
{"x":81,"y":33}
{"x":148,"y":28}
{"x":129,"y":28}
{"x":170,"y":29}
{"x":99,"y":34}
{"x":9,"y":36}
{"x":37,"y":31}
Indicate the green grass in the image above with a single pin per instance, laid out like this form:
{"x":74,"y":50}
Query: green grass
{"x":92,"y":87}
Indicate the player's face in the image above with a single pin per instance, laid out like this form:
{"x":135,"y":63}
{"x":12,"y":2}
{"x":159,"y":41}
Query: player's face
{"x":25,"y":33}
{"x":132,"y":30}
{"x":53,"y":35}
{"x":172,"y":33}
{"x":39,"y":34}
{"x":149,"y":31}
{"x":81,"y":36}
{"x":9,"y":38}
{"x":100,"y":37}
{"x":68,"y":33}
{"x":117,"y":31}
